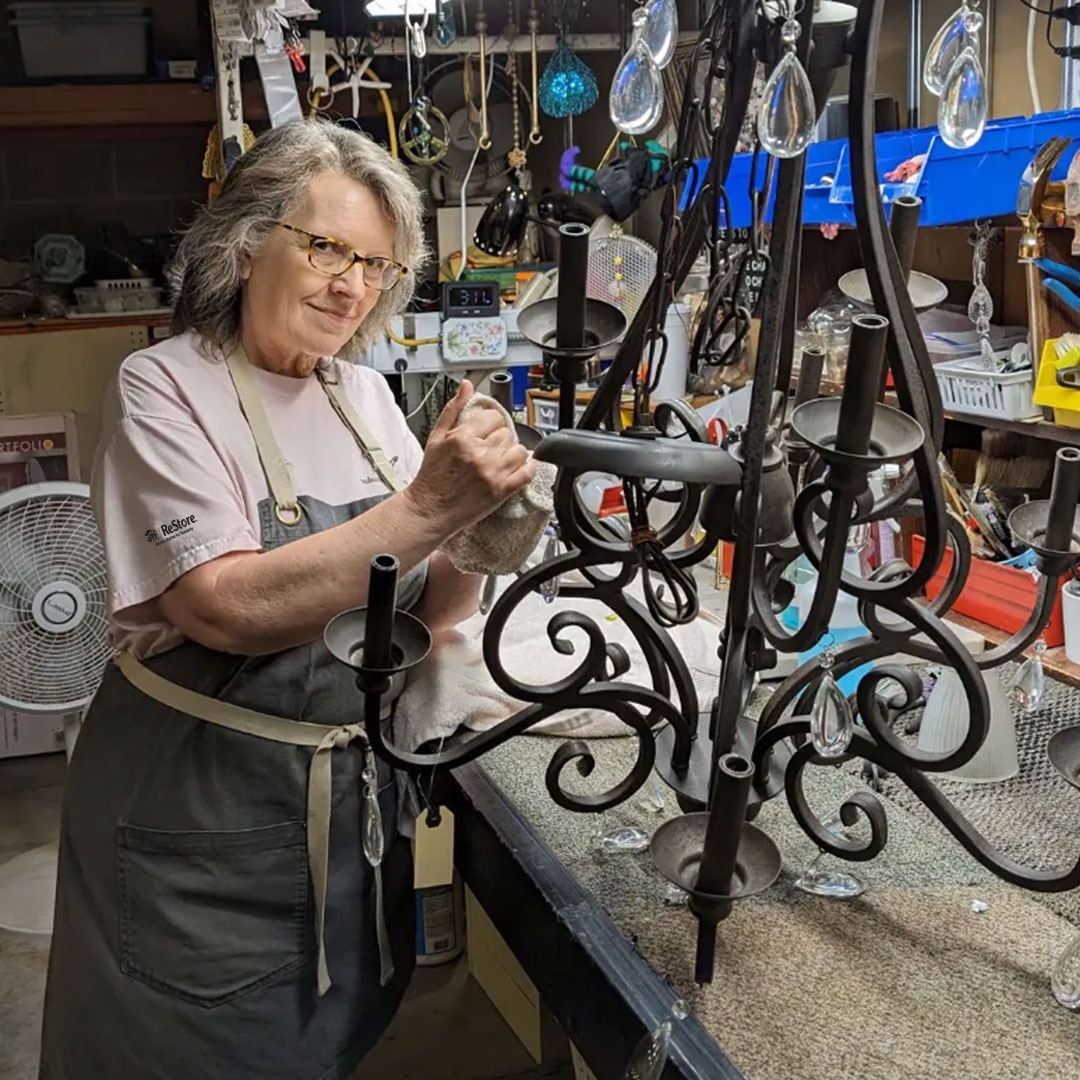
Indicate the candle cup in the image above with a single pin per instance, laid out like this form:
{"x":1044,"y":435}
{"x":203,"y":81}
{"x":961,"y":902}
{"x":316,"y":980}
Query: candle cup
{"x":382,"y":601}
{"x":866,"y":360}
{"x":1064,"y":496}
{"x":573,"y":268}
{"x":502,"y":383}
{"x":904,"y":229}
{"x":727,"y":811}
{"x":811,"y":366}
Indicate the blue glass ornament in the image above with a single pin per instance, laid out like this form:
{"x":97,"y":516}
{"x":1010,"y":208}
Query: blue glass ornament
{"x":567,"y":85}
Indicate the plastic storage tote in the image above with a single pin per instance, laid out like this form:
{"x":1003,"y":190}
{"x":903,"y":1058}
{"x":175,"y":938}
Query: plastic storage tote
{"x":62,"y":40}
{"x":955,"y":185}
{"x":998,"y":595}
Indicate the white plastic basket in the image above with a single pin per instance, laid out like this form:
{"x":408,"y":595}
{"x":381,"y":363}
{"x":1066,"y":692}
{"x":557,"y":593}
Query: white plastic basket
{"x":966,"y":387}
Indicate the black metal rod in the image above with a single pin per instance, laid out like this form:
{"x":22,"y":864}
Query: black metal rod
{"x":573,"y":268}
{"x":1064,"y":496}
{"x":904,"y":229}
{"x":866,"y":362}
{"x":502,"y":385}
{"x":811,"y":368}
{"x":381,"y":602}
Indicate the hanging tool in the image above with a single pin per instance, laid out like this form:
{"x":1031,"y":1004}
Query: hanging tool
{"x":484,"y":142}
{"x":1058,"y":280}
{"x":1029,"y":200}
{"x":535,"y":138}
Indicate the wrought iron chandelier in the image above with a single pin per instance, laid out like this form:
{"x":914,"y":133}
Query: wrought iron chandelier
{"x":789,"y":484}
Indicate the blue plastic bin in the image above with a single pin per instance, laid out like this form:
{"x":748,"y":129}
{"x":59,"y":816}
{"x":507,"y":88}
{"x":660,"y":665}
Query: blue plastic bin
{"x":955,"y":185}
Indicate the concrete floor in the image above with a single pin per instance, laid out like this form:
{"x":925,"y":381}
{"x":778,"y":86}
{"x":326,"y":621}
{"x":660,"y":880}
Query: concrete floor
{"x":447,"y":1028}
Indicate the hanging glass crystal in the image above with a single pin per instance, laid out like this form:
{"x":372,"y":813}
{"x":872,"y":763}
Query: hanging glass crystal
{"x":445,"y":27}
{"x":637,"y":90}
{"x":949,"y":42}
{"x":831,"y":722}
{"x":661,"y":30}
{"x":823,"y":881}
{"x":1065,"y":976}
{"x":549,"y":587}
{"x":373,"y":838}
{"x":787,"y":114}
{"x":1029,"y":686}
{"x":650,"y":1055}
{"x":619,"y":840}
{"x":962,"y":109}
{"x":567,"y":86}
{"x":487,"y":593}
{"x":981,"y":304}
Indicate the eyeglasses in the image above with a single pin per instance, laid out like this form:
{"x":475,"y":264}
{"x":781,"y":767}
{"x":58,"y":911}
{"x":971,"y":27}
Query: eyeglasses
{"x":335,"y":258}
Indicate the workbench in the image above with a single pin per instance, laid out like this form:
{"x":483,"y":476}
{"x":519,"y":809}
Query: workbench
{"x":908,"y":980}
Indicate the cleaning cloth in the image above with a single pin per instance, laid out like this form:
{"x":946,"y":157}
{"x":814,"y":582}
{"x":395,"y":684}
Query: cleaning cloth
{"x":501,"y":542}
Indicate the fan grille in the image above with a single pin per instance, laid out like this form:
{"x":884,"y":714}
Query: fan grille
{"x":621,"y":269}
{"x":50,"y":546}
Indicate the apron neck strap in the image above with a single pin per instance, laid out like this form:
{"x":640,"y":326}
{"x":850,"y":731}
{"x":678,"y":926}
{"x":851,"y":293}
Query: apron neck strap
{"x":286,"y":506}
{"x":365,"y":438}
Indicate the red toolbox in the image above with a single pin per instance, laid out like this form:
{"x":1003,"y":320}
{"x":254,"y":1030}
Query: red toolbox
{"x":1000,"y":596}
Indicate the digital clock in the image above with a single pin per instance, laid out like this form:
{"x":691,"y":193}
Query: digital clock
{"x":470,"y":299}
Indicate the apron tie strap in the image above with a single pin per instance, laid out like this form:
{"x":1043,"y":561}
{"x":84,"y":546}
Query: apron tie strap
{"x":320,"y":785}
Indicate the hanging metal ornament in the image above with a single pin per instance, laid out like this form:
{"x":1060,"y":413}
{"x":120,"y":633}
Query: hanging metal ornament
{"x":424,"y":133}
{"x":517,"y":155}
{"x":787,"y":115}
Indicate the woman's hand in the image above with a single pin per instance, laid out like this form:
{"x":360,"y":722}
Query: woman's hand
{"x":469,"y":468}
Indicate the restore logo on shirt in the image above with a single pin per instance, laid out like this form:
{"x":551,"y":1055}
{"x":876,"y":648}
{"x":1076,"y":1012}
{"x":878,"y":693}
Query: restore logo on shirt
{"x":169,"y":530}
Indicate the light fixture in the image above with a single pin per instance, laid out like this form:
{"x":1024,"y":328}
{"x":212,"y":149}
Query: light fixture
{"x":395,"y":9}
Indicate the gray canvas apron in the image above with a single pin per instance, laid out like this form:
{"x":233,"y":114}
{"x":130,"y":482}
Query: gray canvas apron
{"x":189,"y":923}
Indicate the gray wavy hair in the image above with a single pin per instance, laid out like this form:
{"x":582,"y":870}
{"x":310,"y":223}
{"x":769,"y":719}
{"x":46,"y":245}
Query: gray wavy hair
{"x":265,"y":185}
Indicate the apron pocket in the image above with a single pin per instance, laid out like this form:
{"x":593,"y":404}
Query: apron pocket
{"x":209,"y":916}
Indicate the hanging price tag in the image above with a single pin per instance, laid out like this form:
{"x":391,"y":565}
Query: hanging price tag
{"x":433,"y":851}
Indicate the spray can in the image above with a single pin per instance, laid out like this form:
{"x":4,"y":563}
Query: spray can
{"x":440,"y":923}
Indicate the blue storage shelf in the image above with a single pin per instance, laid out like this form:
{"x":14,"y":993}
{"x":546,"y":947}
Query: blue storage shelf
{"x":955,"y":185}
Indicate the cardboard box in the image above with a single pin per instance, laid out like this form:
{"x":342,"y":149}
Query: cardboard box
{"x":30,"y":733}
{"x":36,"y":448}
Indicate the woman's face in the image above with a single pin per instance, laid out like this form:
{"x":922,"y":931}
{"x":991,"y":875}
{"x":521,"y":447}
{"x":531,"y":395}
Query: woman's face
{"x":290,"y":309}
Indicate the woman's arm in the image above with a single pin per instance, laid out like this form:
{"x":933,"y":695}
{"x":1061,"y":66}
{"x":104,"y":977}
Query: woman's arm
{"x":450,"y":596}
{"x":254,"y":603}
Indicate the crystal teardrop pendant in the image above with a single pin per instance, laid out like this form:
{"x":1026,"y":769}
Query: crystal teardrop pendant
{"x":1065,"y":977}
{"x":831,"y":883}
{"x":1029,"y":686}
{"x":487,"y":593}
{"x":650,"y":1055}
{"x":374,"y":841}
{"x":637,"y":91}
{"x":962,"y":109}
{"x":786,"y":117}
{"x":549,"y":588}
{"x":662,"y":30}
{"x":947,"y":45}
{"x":831,"y":722}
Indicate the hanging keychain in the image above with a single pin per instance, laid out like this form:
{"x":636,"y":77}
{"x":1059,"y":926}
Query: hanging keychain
{"x":424,"y":131}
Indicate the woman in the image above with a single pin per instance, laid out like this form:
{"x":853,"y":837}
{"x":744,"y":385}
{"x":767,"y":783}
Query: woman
{"x":216,"y":916}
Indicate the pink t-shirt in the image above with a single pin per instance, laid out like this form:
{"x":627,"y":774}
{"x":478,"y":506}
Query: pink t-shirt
{"x":177,"y":479}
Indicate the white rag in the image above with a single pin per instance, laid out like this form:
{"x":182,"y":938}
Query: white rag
{"x":453,"y":687}
{"x":501,"y":542}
